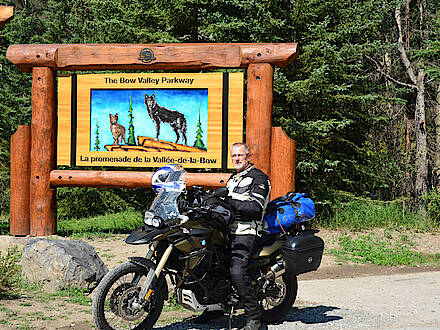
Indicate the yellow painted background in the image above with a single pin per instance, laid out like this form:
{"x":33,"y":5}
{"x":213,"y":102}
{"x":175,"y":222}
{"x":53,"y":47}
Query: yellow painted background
{"x":212,"y":81}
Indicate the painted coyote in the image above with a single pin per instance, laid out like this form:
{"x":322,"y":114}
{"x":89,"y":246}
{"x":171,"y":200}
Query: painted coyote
{"x":161,"y":114}
{"x":118,"y":131}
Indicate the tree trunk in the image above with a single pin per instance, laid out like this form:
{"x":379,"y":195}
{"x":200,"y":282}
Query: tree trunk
{"x":421,"y":141}
{"x":418,"y":83}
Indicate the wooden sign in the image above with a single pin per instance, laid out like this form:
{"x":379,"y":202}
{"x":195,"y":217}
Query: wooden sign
{"x":149,"y":120}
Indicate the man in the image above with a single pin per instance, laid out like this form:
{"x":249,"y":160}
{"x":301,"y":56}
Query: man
{"x":249,"y":190}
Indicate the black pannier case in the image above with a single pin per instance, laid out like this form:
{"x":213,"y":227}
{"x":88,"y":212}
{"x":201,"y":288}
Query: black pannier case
{"x":303,"y":253}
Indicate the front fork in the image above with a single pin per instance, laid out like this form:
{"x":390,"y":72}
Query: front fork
{"x":153,"y":274}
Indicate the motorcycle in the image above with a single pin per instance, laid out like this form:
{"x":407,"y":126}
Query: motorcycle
{"x":187,"y":235}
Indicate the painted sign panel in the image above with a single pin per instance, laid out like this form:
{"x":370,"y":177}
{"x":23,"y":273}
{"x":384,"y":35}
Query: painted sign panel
{"x":149,"y":120}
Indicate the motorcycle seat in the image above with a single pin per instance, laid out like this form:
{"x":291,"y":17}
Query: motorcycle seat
{"x":266,"y":245}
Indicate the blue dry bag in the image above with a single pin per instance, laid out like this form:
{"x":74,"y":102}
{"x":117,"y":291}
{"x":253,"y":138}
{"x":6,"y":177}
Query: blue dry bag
{"x":285,"y":211}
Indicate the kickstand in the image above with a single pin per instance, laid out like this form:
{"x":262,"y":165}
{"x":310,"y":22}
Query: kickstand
{"x":231,"y":311}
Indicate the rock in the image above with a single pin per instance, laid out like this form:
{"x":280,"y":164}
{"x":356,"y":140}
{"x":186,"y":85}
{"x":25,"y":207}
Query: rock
{"x":61,"y":263}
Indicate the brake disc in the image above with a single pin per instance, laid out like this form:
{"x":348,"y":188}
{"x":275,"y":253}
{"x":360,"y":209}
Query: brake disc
{"x":126,"y":309}
{"x":275,"y":293}
{"x":115,"y":298}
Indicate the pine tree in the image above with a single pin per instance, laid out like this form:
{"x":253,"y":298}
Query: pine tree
{"x":131,"y":138}
{"x":199,"y":143}
{"x":97,"y":137}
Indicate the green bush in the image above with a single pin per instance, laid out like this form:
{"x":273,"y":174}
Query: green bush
{"x":9,"y":271}
{"x":79,"y":203}
{"x":4,"y":193}
{"x":432,"y":204}
{"x":4,"y":226}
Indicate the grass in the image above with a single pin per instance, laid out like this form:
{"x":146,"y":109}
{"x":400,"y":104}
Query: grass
{"x":74,"y":295}
{"x":386,"y":252}
{"x":363,"y":214}
{"x":101,"y":226}
{"x":172,"y":305}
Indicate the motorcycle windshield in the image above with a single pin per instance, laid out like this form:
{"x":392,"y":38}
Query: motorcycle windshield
{"x":165,"y":203}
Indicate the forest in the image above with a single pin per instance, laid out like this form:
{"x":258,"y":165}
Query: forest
{"x":362,"y":100}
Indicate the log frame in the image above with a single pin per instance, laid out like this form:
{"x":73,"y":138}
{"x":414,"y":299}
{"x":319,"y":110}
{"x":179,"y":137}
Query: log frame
{"x":43,"y":146}
{"x":282,"y":163}
{"x":128,"y":179}
{"x":166,"y":56}
{"x":6,"y":14}
{"x":20,"y":176}
{"x":44,"y":60}
{"x":259,"y":114}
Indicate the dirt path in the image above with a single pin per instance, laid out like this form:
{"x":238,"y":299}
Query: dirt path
{"x":38,"y":310}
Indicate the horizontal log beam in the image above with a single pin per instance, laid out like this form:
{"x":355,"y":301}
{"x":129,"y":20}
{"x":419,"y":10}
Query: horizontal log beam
{"x":128,"y":179}
{"x":163,"y":56}
{"x":6,"y":13}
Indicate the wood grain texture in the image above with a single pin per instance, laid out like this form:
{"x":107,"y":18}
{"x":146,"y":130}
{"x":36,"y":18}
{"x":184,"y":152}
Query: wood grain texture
{"x":128,"y":179}
{"x":259,"y":114}
{"x":64,"y":120}
{"x":235,"y":113}
{"x":42,"y":197}
{"x":20,"y":175}
{"x":282,"y":163}
{"x":211,"y":81}
{"x":166,"y":56}
{"x":6,"y":14}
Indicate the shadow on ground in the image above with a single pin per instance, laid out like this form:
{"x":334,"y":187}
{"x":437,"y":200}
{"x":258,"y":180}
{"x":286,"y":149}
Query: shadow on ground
{"x":311,"y":315}
{"x":307,"y":315}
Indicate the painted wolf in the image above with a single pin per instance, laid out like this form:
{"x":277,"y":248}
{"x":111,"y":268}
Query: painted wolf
{"x":118,"y":130}
{"x":161,"y":114}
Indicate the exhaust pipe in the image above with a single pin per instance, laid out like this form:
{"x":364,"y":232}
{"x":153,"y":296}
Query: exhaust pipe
{"x":276,"y":270}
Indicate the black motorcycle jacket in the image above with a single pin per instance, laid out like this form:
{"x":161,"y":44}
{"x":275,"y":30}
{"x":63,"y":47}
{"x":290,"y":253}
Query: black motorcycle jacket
{"x":249,"y":192}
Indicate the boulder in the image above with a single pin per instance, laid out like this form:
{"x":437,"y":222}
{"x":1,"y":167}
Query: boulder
{"x":61,"y":263}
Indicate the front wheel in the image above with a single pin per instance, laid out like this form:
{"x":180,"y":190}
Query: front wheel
{"x":278,"y":298}
{"x":113,"y":301}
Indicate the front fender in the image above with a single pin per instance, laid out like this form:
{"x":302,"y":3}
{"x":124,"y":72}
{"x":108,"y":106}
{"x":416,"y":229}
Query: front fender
{"x":148,"y":264}
{"x":144,"y":234}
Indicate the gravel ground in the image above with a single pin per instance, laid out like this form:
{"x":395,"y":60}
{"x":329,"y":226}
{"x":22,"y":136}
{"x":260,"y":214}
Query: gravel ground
{"x":380,"y":302}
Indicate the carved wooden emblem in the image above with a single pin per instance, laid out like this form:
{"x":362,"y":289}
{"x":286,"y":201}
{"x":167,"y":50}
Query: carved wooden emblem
{"x":146,"y":55}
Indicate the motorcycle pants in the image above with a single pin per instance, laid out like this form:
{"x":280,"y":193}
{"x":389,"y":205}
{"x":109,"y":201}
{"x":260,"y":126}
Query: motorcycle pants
{"x":241,"y":249}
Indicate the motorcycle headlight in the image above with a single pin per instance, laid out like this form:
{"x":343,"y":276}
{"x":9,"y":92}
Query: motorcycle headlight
{"x":156,"y":222}
{"x":148,"y":219}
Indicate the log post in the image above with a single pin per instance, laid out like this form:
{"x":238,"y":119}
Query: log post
{"x":282,"y":163}
{"x":20,"y":175}
{"x":259,"y":114}
{"x":42,"y":197}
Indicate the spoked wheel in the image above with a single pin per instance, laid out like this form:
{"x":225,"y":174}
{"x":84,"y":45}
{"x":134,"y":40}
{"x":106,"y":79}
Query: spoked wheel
{"x":115,"y":304}
{"x":278,"y":298}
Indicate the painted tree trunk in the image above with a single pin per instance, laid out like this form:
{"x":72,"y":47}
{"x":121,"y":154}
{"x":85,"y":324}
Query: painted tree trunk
{"x":436,"y":158}
{"x":418,"y":83}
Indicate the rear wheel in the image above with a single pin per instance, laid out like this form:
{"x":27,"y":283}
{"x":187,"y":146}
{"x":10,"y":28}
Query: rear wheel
{"x":278,"y":297}
{"x":113,"y":306}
